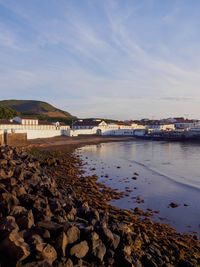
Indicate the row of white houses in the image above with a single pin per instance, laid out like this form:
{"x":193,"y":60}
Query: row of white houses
{"x":40,"y":129}
{"x":33,"y":127}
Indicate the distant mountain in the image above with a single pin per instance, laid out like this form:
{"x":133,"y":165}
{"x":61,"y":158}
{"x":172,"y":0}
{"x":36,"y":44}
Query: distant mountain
{"x":36,"y":108}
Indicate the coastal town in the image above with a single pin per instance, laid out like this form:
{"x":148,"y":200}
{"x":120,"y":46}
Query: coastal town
{"x":167,"y":129}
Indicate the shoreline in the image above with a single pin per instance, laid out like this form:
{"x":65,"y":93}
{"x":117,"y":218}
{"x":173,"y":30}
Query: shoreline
{"x":177,"y":248}
{"x":150,"y":191}
{"x":90,"y":190}
{"x":71,"y":143}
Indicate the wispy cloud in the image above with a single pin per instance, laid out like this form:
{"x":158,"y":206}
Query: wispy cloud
{"x":97,"y":53}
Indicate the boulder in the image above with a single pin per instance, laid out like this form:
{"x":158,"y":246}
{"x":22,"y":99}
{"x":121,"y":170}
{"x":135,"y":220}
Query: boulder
{"x":18,"y":190}
{"x":173,"y":205}
{"x":61,"y":244}
{"x":13,"y":248}
{"x":72,"y":233}
{"x":49,"y":253}
{"x":49,"y":225}
{"x":98,"y":249}
{"x":124,"y":260}
{"x":23,"y":217}
{"x":79,"y":250}
{"x":7,"y":225}
{"x":69,"y":263}
{"x":43,"y":250}
{"x":7,"y":201}
{"x":109,"y":239}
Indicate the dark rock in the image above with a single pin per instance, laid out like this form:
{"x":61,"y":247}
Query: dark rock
{"x":69,"y":263}
{"x":50,"y":225}
{"x":98,"y":249}
{"x":61,"y":243}
{"x":79,"y":250}
{"x":184,"y":263}
{"x":153,"y":250}
{"x":7,"y":225}
{"x":70,"y":212}
{"x":19,"y":190}
{"x":138,"y":211}
{"x":43,"y":250}
{"x":43,"y":263}
{"x":7,"y":201}
{"x":72,"y":233}
{"x":147,"y":261}
{"x":109,"y":239}
{"x":127,"y":250}
{"x":43,"y":223}
{"x":13,"y":248}
{"x":138,"y":263}
{"x":49,"y":254}
{"x":23,"y":217}
{"x":3,"y":162}
{"x":123,"y":259}
{"x":173,"y":205}
{"x":109,"y":257}
{"x":116,"y":241}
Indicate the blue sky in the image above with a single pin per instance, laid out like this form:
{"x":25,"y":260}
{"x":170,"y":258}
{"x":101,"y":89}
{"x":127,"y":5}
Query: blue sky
{"x":103,"y":58}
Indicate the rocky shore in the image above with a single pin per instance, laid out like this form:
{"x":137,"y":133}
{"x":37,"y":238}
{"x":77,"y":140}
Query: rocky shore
{"x":50,"y":215}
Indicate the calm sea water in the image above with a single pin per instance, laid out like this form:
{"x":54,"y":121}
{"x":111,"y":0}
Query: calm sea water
{"x":168,"y":172}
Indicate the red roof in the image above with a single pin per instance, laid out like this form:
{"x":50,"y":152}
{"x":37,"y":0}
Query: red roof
{"x":167,"y":122}
{"x":5,"y":121}
{"x":184,"y":121}
{"x":121,"y":123}
{"x":86,"y":123}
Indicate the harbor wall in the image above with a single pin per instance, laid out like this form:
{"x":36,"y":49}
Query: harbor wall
{"x":33,"y":134}
{"x":1,"y":138}
{"x":15,"y":139}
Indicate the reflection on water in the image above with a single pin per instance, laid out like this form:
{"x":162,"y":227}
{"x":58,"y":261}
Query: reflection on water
{"x":168,"y":172}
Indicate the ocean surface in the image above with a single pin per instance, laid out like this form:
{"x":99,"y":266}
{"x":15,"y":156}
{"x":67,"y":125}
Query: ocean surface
{"x":167,"y":172}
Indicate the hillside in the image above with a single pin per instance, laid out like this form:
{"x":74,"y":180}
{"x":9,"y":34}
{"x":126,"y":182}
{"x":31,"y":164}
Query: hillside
{"x":36,"y":108}
{"x":7,"y":113}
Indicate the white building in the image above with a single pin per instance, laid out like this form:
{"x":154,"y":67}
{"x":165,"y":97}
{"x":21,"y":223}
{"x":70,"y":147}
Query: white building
{"x":118,"y":128}
{"x":186,"y":124}
{"x":92,"y":127}
{"x":100,"y":128}
{"x":136,"y":125}
{"x":26,"y":121}
{"x":81,"y":124}
{"x":161,"y":126}
{"x":34,"y":128}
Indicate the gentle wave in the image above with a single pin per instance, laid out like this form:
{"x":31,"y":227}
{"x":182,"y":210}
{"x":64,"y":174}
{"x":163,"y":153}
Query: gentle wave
{"x":158,"y":172}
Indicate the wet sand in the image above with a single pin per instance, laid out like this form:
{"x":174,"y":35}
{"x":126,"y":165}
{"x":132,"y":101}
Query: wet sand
{"x":70,"y":143}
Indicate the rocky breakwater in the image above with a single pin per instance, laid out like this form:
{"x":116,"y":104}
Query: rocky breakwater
{"x":44,"y":224}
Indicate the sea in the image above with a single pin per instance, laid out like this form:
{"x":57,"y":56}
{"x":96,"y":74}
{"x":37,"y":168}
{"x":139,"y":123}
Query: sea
{"x":156,"y":172}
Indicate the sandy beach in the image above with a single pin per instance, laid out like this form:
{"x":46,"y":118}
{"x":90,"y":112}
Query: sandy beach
{"x":70,"y":143}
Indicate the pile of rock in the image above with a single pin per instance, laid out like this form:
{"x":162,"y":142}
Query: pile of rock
{"x":44,"y":224}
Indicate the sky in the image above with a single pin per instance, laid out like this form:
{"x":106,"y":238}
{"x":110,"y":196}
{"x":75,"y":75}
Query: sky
{"x":115,"y":59}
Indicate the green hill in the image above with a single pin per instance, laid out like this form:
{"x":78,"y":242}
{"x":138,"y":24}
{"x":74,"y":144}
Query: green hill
{"x":34,"y":107}
{"x":7,"y":113}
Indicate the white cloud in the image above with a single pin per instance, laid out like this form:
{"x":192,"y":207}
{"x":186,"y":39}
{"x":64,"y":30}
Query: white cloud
{"x":107,"y":71}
